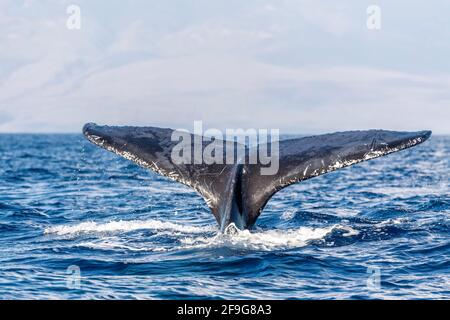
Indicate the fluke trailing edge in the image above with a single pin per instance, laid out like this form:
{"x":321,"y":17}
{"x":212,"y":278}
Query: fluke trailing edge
{"x":237,"y":192}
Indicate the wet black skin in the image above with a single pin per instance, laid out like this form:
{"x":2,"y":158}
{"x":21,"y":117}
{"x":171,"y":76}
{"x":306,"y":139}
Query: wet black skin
{"x":237,"y":193}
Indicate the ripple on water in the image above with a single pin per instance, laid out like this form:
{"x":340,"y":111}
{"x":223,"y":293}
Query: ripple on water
{"x":134,"y":234}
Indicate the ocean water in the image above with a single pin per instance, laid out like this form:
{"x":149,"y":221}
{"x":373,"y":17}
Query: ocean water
{"x":77,"y":222}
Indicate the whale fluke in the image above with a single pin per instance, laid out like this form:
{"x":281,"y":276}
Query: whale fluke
{"x":151,"y":148}
{"x":308,"y":157}
{"x":237,"y":193}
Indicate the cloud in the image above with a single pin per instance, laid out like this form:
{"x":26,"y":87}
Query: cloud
{"x":4,"y":117}
{"x":295,"y":65}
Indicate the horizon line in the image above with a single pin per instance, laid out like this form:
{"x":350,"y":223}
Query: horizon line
{"x":288,"y":133}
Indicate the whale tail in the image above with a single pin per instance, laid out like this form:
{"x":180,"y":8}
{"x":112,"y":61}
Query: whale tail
{"x":237,"y":192}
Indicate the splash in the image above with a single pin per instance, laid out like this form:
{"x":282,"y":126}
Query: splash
{"x":197,"y":237}
{"x":266,"y":240}
{"x":124,"y":226}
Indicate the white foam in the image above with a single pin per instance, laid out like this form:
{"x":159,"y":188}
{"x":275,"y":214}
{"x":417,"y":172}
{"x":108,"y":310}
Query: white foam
{"x":388,"y":222}
{"x":288,"y":214}
{"x":194,"y":237}
{"x":342,"y":212}
{"x":120,"y":244}
{"x":124,"y":226}
{"x":412,"y":191}
{"x":267,"y":239}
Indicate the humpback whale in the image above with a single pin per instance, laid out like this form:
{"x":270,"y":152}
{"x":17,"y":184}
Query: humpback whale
{"x":237,"y":193}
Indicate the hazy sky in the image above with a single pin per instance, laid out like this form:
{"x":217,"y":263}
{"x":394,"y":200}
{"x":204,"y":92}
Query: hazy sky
{"x":301,"y":66}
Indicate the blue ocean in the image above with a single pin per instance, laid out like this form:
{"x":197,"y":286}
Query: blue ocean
{"x":77,"y":222}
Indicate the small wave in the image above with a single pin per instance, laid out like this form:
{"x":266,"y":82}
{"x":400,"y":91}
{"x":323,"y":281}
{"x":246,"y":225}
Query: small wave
{"x":196,"y":237}
{"x":233,"y":238}
{"x":110,"y":244}
{"x":407,"y":192}
{"x":266,"y":240}
{"x":124,"y":226}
